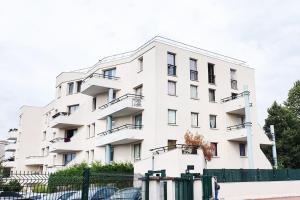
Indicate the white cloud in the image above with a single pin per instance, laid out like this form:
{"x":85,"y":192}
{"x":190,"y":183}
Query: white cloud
{"x":39,"y":39}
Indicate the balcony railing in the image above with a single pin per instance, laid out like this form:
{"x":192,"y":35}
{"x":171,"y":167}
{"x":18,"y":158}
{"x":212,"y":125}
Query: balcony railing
{"x":136,"y":100}
{"x":212,"y":79}
{"x":194,"y":75}
{"x":60,"y":114}
{"x":171,"y":70}
{"x":60,"y":139}
{"x":186,"y":149}
{"x":234,"y":84}
{"x":235,"y":96}
{"x":10,"y":159}
{"x":239,"y":126}
{"x":12,"y":130}
{"x":97,"y":75}
{"x":126,"y":126}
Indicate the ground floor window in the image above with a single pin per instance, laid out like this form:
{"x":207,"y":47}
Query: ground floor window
{"x":215,"y":148}
{"x":137,"y":151}
{"x":69,"y":157}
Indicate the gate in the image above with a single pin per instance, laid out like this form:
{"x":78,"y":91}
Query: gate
{"x":206,"y":187}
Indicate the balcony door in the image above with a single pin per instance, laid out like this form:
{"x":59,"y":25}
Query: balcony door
{"x":70,"y":133}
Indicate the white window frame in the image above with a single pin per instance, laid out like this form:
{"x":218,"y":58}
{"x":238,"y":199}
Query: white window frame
{"x":170,"y":121}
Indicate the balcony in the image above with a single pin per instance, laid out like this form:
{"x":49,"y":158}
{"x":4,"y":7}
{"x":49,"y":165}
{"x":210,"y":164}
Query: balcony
{"x":127,"y":104}
{"x":233,"y":84}
{"x":64,"y":145}
{"x":66,"y":120}
{"x":124,"y":134}
{"x":10,"y":162}
{"x":99,"y":83}
{"x":235,"y":104}
{"x":10,"y":147}
{"x":34,"y":160}
{"x":12,"y":134}
{"x":238,"y":132}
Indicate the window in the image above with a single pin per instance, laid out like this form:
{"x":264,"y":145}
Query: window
{"x":69,"y":134}
{"x":215,"y":148}
{"x":194,"y":92}
{"x":242,"y":149}
{"x":89,"y":131}
{"x":43,"y":152}
{"x":110,"y":73}
{"x":172,"y":88}
{"x":69,"y":157}
{"x":140,"y":63}
{"x":212,"y":95}
{"x":79,"y":83}
{"x":212,"y":121}
{"x":44,"y":135}
{"x":194,"y":119}
{"x":53,"y":135}
{"x":47,"y":151}
{"x":93,"y":130}
{"x":171,"y":116}
{"x":137,"y":151}
{"x":92,"y":155}
{"x":70,"y":88}
{"x":138,"y":121}
{"x":193,"y":70}
{"x":94,"y":103}
{"x":171,"y":64}
{"x":72,"y":108}
{"x":138,"y":90}
{"x":211,"y":73}
{"x":171,"y":144}
{"x":233,"y":80}
{"x":112,"y":152}
{"x":87,"y":153}
{"x":59,"y":91}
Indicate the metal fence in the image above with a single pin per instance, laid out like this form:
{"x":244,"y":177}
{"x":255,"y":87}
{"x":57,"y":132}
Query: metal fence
{"x":58,"y":186}
{"x":249,"y":175}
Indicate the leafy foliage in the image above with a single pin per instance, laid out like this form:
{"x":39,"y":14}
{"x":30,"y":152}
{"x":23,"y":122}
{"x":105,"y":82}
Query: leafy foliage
{"x":12,"y":186}
{"x":286,"y":120}
{"x":198,"y":141}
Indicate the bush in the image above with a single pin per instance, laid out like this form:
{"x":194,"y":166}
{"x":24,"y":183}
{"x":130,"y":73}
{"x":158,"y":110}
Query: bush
{"x":12,"y":186}
{"x":40,"y":188}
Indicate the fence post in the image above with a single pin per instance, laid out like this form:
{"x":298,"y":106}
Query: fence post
{"x":85,"y":184}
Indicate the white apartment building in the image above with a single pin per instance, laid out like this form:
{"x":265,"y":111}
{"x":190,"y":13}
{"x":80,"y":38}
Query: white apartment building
{"x":129,"y":103}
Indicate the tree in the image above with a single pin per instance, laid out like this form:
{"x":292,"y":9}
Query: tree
{"x":286,"y":120}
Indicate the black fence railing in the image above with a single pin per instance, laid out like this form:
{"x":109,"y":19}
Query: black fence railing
{"x":125,"y":126}
{"x":232,"y":97}
{"x":97,"y":75}
{"x":136,"y":100}
{"x":238,"y":126}
{"x":86,"y":185}
{"x":250,"y":175}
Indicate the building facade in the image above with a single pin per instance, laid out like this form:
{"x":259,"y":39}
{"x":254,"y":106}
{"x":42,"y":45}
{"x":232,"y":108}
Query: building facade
{"x":127,"y":104}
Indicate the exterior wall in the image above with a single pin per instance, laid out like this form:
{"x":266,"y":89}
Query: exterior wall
{"x":38,"y":123}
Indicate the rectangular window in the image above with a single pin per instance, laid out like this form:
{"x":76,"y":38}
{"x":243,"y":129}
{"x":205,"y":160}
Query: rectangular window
{"x":69,"y":157}
{"x":138,"y":121}
{"x":171,"y":64}
{"x":211,"y":73}
{"x":140,"y":63}
{"x":172,"y":88}
{"x":215,"y":148}
{"x":87,"y":153}
{"x":44,"y":135}
{"x":72,"y":108}
{"x":212,"y":95}
{"x":137,"y":151}
{"x":171,"y":144}
{"x":59,"y":91}
{"x":47,"y":151}
{"x":89,"y":131}
{"x":94,"y":104}
{"x":69,"y":134}
{"x":171,"y":116}
{"x":194,"y":92}
{"x":79,"y":83}
{"x":193,"y":70}
{"x":212,"y":121}
{"x":138,"y":90}
{"x":92,"y":155}
{"x":110,"y":73}
{"x":242,"y":149}
{"x":233,"y":79}
{"x":194,"y":119}
{"x":70,"y":88}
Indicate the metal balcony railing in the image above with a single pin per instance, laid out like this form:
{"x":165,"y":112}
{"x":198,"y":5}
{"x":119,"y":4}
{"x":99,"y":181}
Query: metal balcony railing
{"x":194,"y":75}
{"x":235,"y":96}
{"x":186,"y":149}
{"x":136,"y":100}
{"x":238,"y":126}
{"x":10,"y":159}
{"x":97,"y":75}
{"x":60,"y":139}
{"x":60,"y":114}
{"x":125,"y":126}
{"x":12,"y":129}
{"x":233,"y":84}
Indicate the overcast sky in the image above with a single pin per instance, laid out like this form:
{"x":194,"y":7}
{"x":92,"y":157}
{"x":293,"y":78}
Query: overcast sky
{"x":40,"y":38}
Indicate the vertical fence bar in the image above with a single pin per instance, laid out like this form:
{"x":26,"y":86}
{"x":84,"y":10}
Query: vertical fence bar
{"x":85,"y":184}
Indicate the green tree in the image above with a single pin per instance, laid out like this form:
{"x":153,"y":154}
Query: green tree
{"x":293,"y":100}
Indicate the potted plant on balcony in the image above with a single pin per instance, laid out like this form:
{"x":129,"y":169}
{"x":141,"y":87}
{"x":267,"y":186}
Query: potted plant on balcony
{"x":197,"y":141}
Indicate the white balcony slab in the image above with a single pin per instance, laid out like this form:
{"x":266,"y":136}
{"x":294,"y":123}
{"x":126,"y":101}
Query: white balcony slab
{"x":9,"y":164}
{"x":124,"y":107}
{"x":10,"y":147}
{"x":96,"y":85}
{"x":124,"y":136}
{"x":65,"y":147}
{"x":73,"y":120}
{"x":235,"y":106}
{"x":34,"y":160}
{"x":12,"y":134}
{"x":238,"y":135}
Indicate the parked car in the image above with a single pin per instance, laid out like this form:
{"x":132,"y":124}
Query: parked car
{"x":98,"y":193}
{"x":58,"y":195}
{"x":131,"y":193}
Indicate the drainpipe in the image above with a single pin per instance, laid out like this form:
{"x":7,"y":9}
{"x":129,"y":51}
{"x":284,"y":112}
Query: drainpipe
{"x":248,"y":127}
{"x":274,"y":146}
{"x":108,"y":157}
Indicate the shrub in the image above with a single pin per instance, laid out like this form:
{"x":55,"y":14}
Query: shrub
{"x":40,"y":188}
{"x":12,"y":186}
